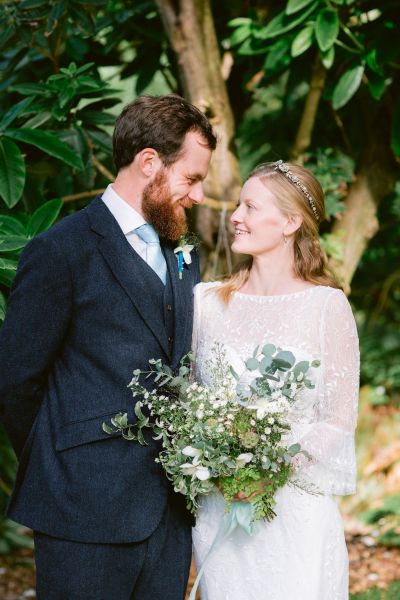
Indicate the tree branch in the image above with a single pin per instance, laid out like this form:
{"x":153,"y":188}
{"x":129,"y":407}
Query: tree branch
{"x":304,"y":133}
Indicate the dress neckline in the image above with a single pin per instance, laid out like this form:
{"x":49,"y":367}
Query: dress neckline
{"x":273,"y":297}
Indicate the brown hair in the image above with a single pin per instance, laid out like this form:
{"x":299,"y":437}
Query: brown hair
{"x":310,"y":261}
{"x":161,"y":123}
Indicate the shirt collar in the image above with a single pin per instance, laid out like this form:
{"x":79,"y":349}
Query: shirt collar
{"x":126,"y":216}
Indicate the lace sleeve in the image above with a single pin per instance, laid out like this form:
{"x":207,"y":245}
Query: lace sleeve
{"x":331,"y":438}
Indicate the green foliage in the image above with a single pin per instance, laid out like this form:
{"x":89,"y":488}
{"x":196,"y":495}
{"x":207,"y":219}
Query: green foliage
{"x":392,"y":593}
{"x":376,"y":292}
{"x":11,"y":534}
{"x":387,"y":518}
{"x":357,"y":44}
{"x":56,"y":59}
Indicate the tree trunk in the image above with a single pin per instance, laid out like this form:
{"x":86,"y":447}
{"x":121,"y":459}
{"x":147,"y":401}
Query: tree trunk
{"x":375,"y":179}
{"x":304,"y":132}
{"x":190,"y":29}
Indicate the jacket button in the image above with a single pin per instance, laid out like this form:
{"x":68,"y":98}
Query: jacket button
{"x":169,"y":307}
{"x":170,"y":339}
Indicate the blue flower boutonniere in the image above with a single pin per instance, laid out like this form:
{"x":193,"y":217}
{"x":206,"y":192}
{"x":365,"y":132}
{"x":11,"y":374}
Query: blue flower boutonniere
{"x":182,"y":252}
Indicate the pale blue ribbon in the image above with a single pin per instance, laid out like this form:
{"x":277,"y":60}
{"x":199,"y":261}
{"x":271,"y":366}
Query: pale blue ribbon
{"x":240,"y":515}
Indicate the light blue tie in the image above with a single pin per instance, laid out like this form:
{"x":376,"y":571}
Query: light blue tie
{"x":154,"y":256}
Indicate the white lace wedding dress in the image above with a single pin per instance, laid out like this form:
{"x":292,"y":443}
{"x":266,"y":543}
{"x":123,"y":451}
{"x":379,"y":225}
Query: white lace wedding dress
{"x":301,"y":554}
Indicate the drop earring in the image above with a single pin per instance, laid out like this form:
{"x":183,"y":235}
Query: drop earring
{"x":285,"y":239}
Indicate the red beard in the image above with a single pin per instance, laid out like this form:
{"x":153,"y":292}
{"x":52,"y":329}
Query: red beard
{"x":167,"y":218}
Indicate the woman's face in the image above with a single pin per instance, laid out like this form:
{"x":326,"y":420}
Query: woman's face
{"x":259,"y":224}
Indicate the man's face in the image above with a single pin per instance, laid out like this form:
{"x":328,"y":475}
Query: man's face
{"x":176,"y":188}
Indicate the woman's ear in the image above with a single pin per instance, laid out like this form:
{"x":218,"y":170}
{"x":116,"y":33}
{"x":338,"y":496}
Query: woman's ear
{"x":293,"y":224}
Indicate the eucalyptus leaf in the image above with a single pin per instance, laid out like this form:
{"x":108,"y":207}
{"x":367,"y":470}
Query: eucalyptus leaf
{"x":301,"y":367}
{"x":252,"y":364}
{"x":294,"y":449}
{"x":265,"y":364}
{"x":268,"y":350}
{"x":285,"y":356}
{"x":232,"y":370}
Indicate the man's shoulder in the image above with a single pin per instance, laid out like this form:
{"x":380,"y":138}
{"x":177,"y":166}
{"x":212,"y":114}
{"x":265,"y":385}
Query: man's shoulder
{"x":69,"y":228}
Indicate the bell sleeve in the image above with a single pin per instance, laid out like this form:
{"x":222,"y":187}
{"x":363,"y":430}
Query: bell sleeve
{"x":330,"y":440}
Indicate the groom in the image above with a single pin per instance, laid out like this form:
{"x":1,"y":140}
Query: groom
{"x":94,"y":298}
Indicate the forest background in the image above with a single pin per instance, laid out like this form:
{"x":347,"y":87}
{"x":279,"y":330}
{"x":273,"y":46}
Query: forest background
{"x":316,"y":81}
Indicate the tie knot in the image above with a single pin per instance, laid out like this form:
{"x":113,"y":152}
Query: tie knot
{"x":148,"y":234}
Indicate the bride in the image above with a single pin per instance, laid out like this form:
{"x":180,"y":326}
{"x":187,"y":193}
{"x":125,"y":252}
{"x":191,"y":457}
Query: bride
{"x":285,"y":296}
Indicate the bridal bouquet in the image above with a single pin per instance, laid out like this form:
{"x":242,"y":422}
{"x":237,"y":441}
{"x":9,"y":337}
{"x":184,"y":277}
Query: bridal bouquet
{"x":231,"y":435}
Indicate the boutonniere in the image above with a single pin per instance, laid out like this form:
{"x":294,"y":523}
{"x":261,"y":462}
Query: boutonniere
{"x":182,"y":251}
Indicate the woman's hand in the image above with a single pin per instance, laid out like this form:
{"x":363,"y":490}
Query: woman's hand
{"x":244,"y":496}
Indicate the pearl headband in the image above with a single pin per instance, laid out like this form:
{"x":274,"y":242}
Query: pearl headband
{"x":283,"y":168}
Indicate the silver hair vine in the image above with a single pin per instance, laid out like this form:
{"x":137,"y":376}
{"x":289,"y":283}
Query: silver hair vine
{"x":284,"y":168}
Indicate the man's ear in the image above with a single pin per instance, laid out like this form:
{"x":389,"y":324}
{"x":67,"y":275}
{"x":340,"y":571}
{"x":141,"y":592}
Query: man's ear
{"x":293,"y":224}
{"x":148,"y":161}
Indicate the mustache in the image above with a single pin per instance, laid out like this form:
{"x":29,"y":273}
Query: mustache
{"x":185,"y":202}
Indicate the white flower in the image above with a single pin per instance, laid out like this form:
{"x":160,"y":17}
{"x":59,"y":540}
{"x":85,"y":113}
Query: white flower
{"x":195,"y":470}
{"x":267,"y":430}
{"x":271,"y":420}
{"x":186,"y":250}
{"x":190,"y":451}
{"x":243,"y":459}
{"x":199,"y":414}
{"x":261,"y":406}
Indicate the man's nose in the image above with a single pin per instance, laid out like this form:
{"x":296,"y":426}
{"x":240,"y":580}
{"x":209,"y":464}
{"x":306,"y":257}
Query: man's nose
{"x":196,"y":193}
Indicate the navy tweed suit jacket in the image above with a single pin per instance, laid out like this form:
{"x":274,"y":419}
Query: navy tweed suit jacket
{"x":81,"y":318}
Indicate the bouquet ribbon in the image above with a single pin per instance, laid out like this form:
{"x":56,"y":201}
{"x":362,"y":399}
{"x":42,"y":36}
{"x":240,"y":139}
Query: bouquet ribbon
{"x":240,"y":515}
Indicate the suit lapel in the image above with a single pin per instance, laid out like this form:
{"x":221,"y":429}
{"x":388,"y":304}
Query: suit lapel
{"x":182,"y":290}
{"x":131,"y":271}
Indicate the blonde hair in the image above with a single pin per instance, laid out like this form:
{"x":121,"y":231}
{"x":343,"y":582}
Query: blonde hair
{"x":310,"y":261}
